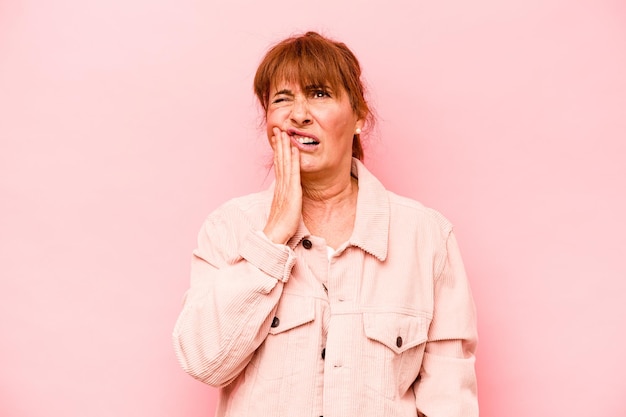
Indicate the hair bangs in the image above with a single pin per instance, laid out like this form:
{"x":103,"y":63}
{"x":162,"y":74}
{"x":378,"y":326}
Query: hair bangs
{"x":306,"y":63}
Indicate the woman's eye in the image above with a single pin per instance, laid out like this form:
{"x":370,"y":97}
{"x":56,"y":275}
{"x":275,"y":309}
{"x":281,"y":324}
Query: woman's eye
{"x":279,"y":100}
{"x":320,"y":94}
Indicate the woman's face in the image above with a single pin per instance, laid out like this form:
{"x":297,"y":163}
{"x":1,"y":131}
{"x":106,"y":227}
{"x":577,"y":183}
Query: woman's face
{"x":320,"y":122}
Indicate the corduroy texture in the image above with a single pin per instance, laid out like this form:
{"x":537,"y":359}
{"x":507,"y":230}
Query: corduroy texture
{"x":385,"y":327}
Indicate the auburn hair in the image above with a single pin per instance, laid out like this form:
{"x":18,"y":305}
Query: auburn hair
{"x":312,"y":59}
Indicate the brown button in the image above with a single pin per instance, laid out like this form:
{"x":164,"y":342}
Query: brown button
{"x":399,"y":341}
{"x":275,"y":322}
{"x":307,"y":244}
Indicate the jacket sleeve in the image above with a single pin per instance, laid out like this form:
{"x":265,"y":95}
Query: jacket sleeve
{"x":237,"y":277}
{"x":446,"y":386}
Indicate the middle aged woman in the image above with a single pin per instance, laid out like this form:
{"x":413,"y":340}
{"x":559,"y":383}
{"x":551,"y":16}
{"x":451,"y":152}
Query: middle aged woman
{"x":327,"y":295}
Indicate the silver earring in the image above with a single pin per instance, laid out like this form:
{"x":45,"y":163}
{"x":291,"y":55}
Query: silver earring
{"x":357,"y":131}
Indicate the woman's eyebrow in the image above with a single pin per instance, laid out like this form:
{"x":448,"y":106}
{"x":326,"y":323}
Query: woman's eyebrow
{"x":317,"y":87}
{"x":283,"y":91}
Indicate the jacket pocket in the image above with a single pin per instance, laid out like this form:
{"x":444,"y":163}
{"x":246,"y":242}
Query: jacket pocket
{"x":278,"y":356}
{"x":394,"y":350}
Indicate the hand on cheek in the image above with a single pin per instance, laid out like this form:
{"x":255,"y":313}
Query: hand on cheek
{"x":286,"y":208}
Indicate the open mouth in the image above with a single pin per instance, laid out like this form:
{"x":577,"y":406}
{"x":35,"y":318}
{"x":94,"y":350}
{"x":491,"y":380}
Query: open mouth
{"x":303,"y":139}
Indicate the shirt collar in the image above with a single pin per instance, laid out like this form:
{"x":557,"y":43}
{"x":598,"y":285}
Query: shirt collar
{"x":371,"y":225}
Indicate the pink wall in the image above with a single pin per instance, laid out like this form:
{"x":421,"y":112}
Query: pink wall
{"x":122,"y":124}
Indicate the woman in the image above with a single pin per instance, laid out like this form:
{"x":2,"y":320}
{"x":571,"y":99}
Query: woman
{"x":327,"y":295}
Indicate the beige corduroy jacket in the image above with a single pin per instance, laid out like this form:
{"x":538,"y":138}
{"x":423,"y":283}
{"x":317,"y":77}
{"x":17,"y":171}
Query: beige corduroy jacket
{"x":383,"y":326}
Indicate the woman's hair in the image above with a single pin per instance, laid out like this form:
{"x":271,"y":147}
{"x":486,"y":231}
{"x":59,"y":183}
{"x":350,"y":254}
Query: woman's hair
{"x":312,"y":59}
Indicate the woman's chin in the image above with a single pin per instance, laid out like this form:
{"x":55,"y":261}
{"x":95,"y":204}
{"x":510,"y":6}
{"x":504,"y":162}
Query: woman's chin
{"x":308,"y":169}
{"x":308,"y":164}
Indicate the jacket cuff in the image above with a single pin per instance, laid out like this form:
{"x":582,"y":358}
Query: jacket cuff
{"x":273,"y":259}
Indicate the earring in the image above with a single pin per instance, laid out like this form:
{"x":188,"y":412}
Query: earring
{"x":357,"y":131}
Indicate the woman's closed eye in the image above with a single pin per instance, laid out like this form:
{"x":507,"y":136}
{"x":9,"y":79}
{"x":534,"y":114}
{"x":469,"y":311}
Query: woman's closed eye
{"x":281,"y":99}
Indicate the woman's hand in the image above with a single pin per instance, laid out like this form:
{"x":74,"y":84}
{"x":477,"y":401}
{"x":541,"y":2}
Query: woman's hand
{"x":286,"y":208}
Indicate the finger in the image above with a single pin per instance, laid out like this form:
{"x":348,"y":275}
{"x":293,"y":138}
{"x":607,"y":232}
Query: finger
{"x":295,"y":165}
{"x":282,"y":154}
{"x":286,"y":143}
{"x":278,"y":154}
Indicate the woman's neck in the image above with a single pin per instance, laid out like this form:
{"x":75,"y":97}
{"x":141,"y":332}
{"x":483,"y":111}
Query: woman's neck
{"x":328,"y":191}
{"x":329,"y":209}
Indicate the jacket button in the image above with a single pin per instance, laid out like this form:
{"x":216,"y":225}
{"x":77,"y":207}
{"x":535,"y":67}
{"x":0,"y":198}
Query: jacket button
{"x":307,"y":244}
{"x":399,"y":341}
{"x":275,"y":322}
{"x":324,"y":353}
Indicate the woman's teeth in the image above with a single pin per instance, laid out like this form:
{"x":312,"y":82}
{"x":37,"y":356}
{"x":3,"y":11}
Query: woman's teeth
{"x":306,"y":141}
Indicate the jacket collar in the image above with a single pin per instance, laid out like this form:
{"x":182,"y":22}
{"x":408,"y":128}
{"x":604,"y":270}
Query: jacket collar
{"x":371,"y":226}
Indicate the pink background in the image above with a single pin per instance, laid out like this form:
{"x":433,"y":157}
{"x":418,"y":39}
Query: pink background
{"x":122,"y":124}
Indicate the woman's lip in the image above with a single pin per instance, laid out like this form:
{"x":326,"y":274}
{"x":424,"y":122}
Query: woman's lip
{"x":292,"y":132}
{"x":302,"y":146}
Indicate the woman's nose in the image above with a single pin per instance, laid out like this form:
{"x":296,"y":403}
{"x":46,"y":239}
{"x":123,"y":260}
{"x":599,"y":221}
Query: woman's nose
{"x":300,"y":112}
